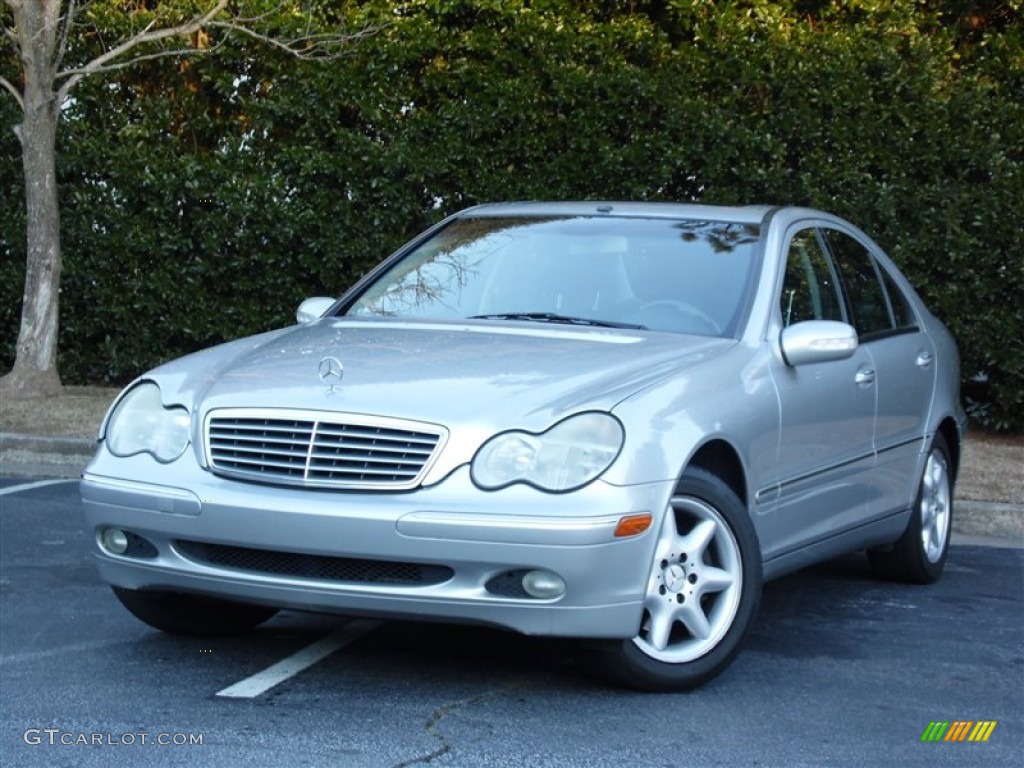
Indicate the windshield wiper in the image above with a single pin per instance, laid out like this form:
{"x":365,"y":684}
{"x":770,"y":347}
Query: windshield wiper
{"x":551,"y":317}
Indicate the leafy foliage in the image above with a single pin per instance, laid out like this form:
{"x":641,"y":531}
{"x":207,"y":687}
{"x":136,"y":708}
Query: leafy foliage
{"x":204,"y":198}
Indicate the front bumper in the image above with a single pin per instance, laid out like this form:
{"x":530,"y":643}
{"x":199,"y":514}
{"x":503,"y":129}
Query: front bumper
{"x":471,"y":544}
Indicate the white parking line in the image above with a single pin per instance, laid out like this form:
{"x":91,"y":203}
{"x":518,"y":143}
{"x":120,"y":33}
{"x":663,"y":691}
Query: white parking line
{"x":30,"y":486}
{"x":277,"y":673}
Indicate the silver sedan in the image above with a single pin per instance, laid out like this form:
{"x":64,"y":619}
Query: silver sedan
{"x":603,"y":421}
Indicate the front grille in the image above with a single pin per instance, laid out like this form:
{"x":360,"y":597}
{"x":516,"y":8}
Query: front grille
{"x":320,"y":450}
{"x":315,"y":567}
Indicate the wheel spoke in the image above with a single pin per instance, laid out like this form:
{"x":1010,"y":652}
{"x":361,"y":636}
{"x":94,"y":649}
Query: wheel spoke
{"x":692,"y":615}
{"x":928,"y":539}
{"x":668,"y":541}
{"x":715,"y":580}
{"x":696,"y":541}
{"x":927,"y":513}
{"x":928,"y":480}
{"x":662,"y":617}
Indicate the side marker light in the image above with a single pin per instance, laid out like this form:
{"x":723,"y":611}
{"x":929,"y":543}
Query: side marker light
{"x":633,"y":525}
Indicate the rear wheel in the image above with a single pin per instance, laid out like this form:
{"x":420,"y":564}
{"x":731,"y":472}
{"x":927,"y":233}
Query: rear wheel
{"x":702,"y":592}
{"x":920,"y":553}
{"x":185,"y":614}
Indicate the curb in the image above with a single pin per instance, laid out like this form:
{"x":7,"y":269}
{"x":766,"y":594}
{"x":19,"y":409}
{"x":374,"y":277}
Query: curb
{"x":989,"y":518}
{"x":16,"y":441}
{"x":24,"y":455}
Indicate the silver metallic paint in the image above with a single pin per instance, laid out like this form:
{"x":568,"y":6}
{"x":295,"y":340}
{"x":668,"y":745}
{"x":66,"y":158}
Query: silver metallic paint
{"x":819,"y":476}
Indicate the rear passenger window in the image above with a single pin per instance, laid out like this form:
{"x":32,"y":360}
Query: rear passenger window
{"x":902,"y":314}
{"x":860,"y":276}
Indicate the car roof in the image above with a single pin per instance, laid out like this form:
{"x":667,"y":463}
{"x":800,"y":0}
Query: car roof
{"x":748,"y":214}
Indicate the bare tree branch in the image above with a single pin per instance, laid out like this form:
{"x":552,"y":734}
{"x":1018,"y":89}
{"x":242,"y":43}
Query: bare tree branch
{"x":11,"y":37}
{"x":14,"y":91}
{"x":322,"y":46}
{"x":147,"y":35}
{"x":178,"y":52}
{"x":45,"y":40}
{"x":66,"y":23}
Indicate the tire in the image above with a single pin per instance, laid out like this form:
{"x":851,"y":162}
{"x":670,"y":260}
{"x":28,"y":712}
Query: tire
{"x":919,"y":555}
{"x":180,"y":613}
{"x":702,"y":594}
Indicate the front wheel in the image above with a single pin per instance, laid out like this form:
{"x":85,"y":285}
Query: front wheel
{"x":180,"y":613}
{"x":702,"y":593}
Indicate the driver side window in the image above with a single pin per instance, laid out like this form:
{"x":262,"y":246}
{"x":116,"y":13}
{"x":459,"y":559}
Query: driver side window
{"x":860,"y":276}
{"x":809,"y":287}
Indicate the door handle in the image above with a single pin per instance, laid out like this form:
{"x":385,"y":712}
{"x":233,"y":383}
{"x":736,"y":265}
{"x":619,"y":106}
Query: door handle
{"x":924,"y":359}
{"x":865,"y":377}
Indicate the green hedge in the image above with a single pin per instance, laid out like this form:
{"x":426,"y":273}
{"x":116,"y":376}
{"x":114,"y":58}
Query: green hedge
{"x":204,"y":201}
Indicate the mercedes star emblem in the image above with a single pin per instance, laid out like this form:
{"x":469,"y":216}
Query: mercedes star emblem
{"x":331,"y":371}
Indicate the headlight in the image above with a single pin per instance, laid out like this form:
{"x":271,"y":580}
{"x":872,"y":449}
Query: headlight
{"x":141,"y":423}
{"x":565,"y":457}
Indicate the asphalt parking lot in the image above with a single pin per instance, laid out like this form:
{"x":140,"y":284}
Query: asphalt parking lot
{"x":840,"y":670}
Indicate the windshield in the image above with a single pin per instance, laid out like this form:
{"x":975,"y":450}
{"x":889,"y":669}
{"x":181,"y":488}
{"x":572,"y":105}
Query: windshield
{"x":666,"y":275}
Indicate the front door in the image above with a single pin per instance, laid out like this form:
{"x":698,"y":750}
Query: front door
{"x":826,"y":451}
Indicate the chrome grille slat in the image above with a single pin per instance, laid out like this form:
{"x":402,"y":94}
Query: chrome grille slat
{"x":265,"y":427}
{"x":375,"y":437}
{"x":366,"y":475}
{"x":385,"y":445}
{"x":323,"y":450}
{"x":299,"y":452}
{"x":376,"y":449}
{"x":397,"y":458}
{"x":260,"y":439}
{"x":256,"y":462}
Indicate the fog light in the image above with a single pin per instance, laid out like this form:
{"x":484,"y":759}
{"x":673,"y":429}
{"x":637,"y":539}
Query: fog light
{"x":543,"y":584}
{"x":114,"y":540}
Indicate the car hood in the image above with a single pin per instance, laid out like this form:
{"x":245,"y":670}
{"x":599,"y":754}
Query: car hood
{"x":499,"y":373}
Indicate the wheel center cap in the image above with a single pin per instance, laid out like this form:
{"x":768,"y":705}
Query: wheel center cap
{"x":675,"y":577}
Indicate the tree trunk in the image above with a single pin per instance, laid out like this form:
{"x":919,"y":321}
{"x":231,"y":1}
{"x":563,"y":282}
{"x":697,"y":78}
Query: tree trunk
{"x":41,"y":29}
{"x":35,"y":365}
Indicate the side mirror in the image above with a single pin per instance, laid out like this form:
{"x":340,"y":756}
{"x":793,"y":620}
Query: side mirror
{"x":817,"y":341}
{"x":313,"y":309}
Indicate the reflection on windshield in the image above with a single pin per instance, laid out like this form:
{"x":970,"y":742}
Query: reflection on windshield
{"x":667,"y":275}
